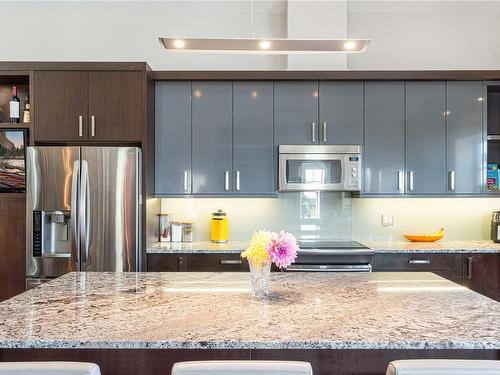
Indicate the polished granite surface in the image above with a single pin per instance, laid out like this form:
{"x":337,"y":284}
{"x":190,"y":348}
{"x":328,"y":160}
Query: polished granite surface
{"x":442,"y":246}
{"x":215,"y":310}
{"x":197,"y":247}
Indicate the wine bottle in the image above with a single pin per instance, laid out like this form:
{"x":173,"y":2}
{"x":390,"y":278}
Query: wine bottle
{"x":26,"y":110}
{"x":14,"y":106}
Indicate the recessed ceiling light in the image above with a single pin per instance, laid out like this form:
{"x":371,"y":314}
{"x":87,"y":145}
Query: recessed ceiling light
{"x":267,"y":46}
{"x":179,"y":43}
{"x":349,"y":45}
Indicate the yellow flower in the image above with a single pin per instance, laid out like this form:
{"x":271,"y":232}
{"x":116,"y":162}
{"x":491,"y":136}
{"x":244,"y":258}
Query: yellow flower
{"x":256,"y":251}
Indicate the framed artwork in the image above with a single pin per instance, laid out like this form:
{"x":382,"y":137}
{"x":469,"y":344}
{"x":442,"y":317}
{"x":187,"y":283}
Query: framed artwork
{"x":12,"y":160}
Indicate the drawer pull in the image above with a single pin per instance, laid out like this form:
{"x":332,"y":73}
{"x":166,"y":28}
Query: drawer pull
{"x":231,"y":261}
{"x":419,"y":261}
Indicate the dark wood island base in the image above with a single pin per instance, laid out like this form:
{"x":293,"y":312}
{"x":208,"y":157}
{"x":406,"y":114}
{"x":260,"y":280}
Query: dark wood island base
{"x":160,"y":361}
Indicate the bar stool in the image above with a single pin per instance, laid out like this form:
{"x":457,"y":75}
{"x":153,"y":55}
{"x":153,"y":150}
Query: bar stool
{"x":242,"y":368}
{"x":443,"y":367}
{"x":49,"y":368}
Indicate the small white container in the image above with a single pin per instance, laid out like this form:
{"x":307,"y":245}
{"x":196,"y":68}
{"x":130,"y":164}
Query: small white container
{"x":176,"y":232}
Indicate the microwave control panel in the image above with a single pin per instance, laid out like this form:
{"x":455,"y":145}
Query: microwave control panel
{"x":353,"y":171}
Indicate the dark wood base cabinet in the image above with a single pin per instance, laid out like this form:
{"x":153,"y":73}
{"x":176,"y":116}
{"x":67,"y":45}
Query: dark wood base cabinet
{"x":12,"y":245}
{"x":478,"y":272}
{"x":448,"y":266}
{"x":482,"y":274}
{"x":160,"y":362}
{"x":196,"y":263}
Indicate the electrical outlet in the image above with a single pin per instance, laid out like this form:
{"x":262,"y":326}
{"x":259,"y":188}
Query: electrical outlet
{"x":387,"y":221}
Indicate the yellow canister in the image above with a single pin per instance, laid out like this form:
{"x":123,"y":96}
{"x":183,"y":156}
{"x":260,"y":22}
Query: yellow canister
{"x":219,"y":227}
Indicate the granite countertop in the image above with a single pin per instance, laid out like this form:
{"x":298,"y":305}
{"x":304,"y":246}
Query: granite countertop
{"x":197,"y":247}
{"x":215,"y":311}
{"x":442,"y":246}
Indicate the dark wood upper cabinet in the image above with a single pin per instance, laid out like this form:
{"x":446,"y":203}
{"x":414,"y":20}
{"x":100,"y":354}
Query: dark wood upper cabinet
{"x":116,"y":106}
{"x":97,"y":106}
{"x":61,"y":106}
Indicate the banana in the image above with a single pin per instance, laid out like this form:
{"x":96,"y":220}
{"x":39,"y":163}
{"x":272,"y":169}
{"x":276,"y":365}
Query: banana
{"x":438,"y":233}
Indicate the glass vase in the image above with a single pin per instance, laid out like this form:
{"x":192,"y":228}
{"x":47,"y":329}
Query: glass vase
{"x":260,"y":272}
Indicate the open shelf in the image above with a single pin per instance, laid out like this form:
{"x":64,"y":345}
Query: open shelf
{"x":20,"y":125}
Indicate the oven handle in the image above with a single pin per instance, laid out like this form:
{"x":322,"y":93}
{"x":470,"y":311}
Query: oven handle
{"x":330,"y":268}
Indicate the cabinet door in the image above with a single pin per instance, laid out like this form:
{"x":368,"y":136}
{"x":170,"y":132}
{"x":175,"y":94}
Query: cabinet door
{"x":448,"y":266}
{"x":482,"y":274}
{"x":296,"y":113}
{"x":167,"y":262}
{"x":384,"y":138}
{"x":253,"y":151}
{"x":216,"y":263}
{"x":464,"y":137}
{"x":212,"y":137}
{"x":116,"y":106}
{"x":425,"y":138}
{"x":341,"y":113}
{"x":61,"y":106}
{"x":173,"y":138}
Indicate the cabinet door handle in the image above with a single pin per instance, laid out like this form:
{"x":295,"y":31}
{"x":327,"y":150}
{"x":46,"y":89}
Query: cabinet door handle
{"x":469,"y":267}
{"x":324,"y":132}
{"x":238,"y":180}
{"x":186,"y":181}
{"x":181,"y":263}
{"x":419,"y":261}
{"x":410,"y":180}
{"x":231,"y":261}
{"x":451,"y":180}
{"x":80,"y":126}
{"x":313,"y":132}
{"x":92,"y":126}
{"x":400,"y":180}
{"x":226,"y":180}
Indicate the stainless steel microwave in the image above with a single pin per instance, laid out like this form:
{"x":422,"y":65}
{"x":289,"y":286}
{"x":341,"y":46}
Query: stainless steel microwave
{"x":319,"y":168}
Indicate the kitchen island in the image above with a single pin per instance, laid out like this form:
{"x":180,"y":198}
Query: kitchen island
{"x":141,"y":323}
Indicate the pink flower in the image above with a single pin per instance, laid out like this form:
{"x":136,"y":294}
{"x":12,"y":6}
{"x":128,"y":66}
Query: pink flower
{"x":282,"y":249}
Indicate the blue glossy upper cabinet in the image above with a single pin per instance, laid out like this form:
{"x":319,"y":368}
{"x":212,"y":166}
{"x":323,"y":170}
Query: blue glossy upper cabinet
{"x":464,"y":136}
{"x":253,"y":152}
{"x":340,"y":113}
{"x":172,"y":138}
{"x":212,"y":137}
{"x":426,"y":137}
{"x":296,"y":113}
{"x":384,"y":138}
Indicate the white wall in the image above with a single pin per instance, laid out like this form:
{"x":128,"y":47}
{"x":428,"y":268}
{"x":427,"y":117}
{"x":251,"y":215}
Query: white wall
{"x":405,"y":34}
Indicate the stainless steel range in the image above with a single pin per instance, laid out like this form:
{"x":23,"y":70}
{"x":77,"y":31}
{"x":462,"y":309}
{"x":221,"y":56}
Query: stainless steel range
{"x":332,"y":256}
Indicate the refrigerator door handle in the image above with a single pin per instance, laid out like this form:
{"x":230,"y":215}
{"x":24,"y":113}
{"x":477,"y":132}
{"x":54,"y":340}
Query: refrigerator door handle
{"x":73,"y":214}
{"x":85,"y":212}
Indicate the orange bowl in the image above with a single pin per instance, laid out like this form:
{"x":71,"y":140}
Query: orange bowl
{"x":417,"y":238}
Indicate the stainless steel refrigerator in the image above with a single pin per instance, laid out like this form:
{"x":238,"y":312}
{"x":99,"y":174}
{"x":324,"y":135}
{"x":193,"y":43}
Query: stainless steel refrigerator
{"x":83,"y":210}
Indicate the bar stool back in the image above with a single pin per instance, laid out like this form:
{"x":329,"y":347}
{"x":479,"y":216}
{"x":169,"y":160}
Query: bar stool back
{"x":443,"y":367}
{"x":49,"y":368}
{"x":242,"y":368}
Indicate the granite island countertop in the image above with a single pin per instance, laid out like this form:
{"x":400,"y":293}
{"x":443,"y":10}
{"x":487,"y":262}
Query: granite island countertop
{"x":215,"y":311}
{"x":395,"y":246}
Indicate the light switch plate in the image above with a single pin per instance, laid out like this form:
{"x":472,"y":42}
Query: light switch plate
{"x":387,"y":221}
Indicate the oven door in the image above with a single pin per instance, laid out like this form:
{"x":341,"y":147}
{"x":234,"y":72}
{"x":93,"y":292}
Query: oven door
{"x":333,"y":260}
{"x":312,"y":172}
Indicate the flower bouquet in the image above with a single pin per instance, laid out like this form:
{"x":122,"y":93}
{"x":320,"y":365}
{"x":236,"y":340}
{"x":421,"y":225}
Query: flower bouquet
{"x":266,"y":248}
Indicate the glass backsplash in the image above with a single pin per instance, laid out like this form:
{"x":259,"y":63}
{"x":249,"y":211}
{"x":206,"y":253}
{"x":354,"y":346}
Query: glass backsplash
{"x":305,"y":214}
{"x":313,"y":215}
